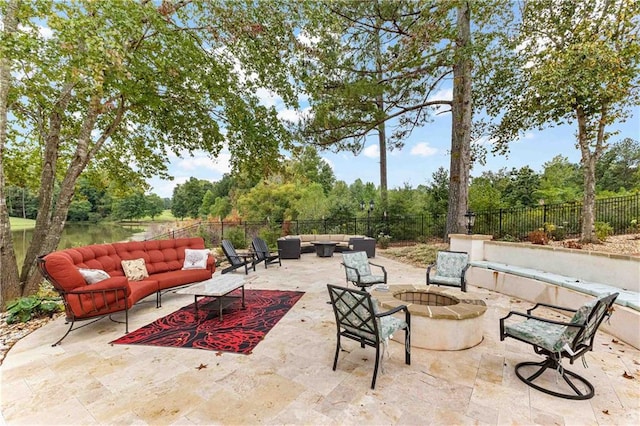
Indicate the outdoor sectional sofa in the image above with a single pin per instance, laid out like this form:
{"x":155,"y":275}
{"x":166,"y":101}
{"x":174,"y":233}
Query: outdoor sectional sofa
{"x":291,"y":246}
{"x":92,"y":280}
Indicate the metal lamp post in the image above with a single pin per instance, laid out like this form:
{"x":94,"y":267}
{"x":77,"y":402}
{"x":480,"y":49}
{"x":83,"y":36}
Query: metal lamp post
{"x":471,"y":220}
{"x":369,"y":210}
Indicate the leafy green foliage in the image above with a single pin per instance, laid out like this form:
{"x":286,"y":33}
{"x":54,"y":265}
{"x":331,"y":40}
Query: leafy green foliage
{"x":27,"y":308}
{"x":603,"y":230}
{"x":237,"y":237}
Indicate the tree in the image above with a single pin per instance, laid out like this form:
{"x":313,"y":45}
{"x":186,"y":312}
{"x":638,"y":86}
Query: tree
{"x":619,"y":167}
{"x":461,"y":114}
{"x":561,"y":181}
{"x":155,"y":205}
{"x":124,"y":84}
{"x":438,"y":192}
{"x":382,"y":64}
{"x":133,"y":206}
{"x":79,"y":210}
{"x":570,"y":62}
{"x":310,"y":167}
{"x":521,"y":188}
{"x":188,"y":198}
{"x":208,"y":200}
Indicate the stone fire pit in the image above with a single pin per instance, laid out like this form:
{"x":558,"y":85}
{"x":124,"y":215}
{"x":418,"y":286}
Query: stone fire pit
{"x":441,"y":318}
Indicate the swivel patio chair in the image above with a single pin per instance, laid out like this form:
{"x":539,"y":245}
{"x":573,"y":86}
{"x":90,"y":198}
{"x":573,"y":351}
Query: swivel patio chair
{"x":556,"y":340}
{"x":450,"y":269}
{"x":357,"y":319}
{"x":236,"y":260}
{"x":262,"y":253}
{"x":358,"y":270}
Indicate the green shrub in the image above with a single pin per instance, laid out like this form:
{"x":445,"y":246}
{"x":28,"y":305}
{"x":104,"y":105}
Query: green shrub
{"x":270,"y":236}
{"x":556,"y":233}
{"x":237,"y":238}
{"x":603,"y":230}
{"x":383,"y":240}
{"x":27,"y":308}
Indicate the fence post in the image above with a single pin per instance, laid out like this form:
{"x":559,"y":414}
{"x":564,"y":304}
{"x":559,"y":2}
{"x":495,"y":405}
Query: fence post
{"x":500,"y":223}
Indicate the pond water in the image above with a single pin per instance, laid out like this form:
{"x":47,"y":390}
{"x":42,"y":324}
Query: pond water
{"x":78,"y":234}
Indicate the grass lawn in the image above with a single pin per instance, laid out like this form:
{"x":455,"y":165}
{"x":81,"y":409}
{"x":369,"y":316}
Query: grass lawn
{"x":18,"y":224}
{"x":165,"y":216}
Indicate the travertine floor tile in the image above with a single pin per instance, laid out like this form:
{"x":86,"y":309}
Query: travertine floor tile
{"x":289,"y":380}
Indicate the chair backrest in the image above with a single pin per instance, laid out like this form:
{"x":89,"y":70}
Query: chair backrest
{"x":451,"y":263}
{"x":591,"y":316}
{"x":357,"y":260}
{"x":355,"y":312}
{"x":260,"y":248}
{"x":230,"y":252}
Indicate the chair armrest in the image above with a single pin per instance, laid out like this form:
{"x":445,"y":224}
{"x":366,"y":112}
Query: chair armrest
{"x":392,"y":311}
{"x":548,"y":305}
{"x":110,"y":284}
{"x":384,"y":271}
{"x":379,"y":266}
{"x":355,"y":269}
{"x":546,"y":320}
{"x":429,"y":267}
{"x":407,"y":314}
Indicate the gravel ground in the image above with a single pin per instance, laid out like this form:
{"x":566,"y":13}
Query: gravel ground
{"x":621,"y":244}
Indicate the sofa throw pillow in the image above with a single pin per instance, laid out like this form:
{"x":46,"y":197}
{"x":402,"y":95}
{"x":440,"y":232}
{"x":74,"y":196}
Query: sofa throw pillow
{"x":195,"y":259}
{"x":135,"y":269}
{"x":92,"y":276}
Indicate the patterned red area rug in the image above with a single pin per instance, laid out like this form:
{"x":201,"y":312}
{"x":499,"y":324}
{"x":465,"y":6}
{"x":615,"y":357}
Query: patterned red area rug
{"x":239,"y":331}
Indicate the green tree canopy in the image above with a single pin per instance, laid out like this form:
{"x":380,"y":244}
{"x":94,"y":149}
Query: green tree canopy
{"x":123,"y":84}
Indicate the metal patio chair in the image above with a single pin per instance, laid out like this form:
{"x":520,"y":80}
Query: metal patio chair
{"x":358,"y":270}
{"x":556,"y":340}
{"x":450,"y":269}
{"x":357,"y":319}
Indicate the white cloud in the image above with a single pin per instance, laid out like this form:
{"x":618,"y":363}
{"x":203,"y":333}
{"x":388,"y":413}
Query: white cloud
{"x":423,"y":149}
{"x":372,"y":151}
{"x":306,"y":40}
{"x":203,"y":161}
{"x":294,"y":116}
{"x":268,"y":98}
{"x":45,"y":32}
{"x":441,"y":95}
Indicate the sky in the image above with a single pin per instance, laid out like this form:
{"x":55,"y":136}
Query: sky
{"x":424,"y":152}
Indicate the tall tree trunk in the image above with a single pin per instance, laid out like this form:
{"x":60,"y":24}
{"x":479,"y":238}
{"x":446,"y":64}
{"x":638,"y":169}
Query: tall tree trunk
{"x":382,"y":133}
{"x":382,"y":142}
{"x":50,"y":222}
{"x":589,"y":159}
{"x":9,"y":283}
{"x":461,"y":110}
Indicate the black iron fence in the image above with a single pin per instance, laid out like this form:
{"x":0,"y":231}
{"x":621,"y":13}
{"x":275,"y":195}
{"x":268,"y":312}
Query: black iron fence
{"x":621,"y":213}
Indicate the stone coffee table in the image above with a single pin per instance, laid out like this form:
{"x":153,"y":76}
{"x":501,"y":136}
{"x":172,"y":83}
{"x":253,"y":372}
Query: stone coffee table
{"x":218,"y":286}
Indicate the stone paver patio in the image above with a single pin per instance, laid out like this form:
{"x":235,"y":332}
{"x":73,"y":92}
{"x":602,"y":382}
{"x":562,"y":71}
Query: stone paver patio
{"x":288,"y":378}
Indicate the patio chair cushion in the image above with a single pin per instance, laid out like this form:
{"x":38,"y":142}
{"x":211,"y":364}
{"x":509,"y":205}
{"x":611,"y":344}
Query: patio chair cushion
{"x":450,"y":265}
{"x":552,"y":337}
{"x":361,"y":316}
{"x":359,"y":261}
